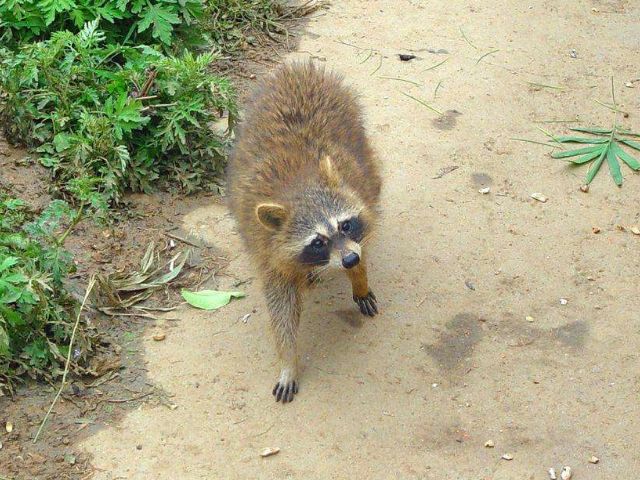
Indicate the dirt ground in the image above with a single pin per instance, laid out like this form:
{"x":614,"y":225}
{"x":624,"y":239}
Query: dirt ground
{"x":452,"y":361}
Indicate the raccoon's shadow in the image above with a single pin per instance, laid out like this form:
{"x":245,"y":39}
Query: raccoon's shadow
{"x":350,"y":316}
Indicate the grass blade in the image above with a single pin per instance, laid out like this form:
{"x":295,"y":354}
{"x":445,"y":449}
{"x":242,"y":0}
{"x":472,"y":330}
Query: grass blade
{"x":579,"y":151}
{"x":596,"y":166}
{"x":625,"y":157}
{"x":614,"y":167}
{"x":401,"y":80}
{"x":585,"y":158}
{"x":421,"y":102}
{"x":569,"y":139}
{"x":435,"y":66}
{"x":630,"y":143}
{"x":486,"y":55}
{"x":594,"y":131}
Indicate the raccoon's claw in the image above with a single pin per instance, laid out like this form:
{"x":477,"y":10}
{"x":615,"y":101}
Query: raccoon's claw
{"x":368,"y":305}
{"x":285,"y":391}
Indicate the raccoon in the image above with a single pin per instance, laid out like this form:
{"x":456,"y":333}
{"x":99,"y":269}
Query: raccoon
{"x":304,"y":188}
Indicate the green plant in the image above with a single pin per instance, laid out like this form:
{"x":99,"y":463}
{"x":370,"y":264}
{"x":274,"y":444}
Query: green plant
{"x":116,"y":117}
{"x":123,"y":21}
{"x":35,"y":307}
{"x":604,"y":144}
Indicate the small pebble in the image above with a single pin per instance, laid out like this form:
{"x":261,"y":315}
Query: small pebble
{"x":529,"y":318}
{"x":552,"y":474}
{"x":584,"y":188}
{"x":573,"y":53}
{"x":267,"y":452}
{"x":159,"y":336}
{"x":507,"y":456}
{"x":596,"y":230}
{"x":9,"y":427}
{"x":628,"y":85}
{"x":138,"y":447}
{"x":539,"y":197}
{"x":566,"y":473}
{"x":635,"y":230}
{"x":405,"y":57}
{"x":563,"y":301}
{"x":489,"y":444}
{"x":485,"y":190}
{"x":594,"y":459}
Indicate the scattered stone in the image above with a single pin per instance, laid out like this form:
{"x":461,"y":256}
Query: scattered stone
{"x":484,"y":190}
{"x":267,"y":452}
{"x":489,"y":444}
{"x":584,"y":188}
{"x":405,"y":57}
{"x":70,"y":459}
{"x":629,"y":84}
{"x":529,"y":318}
{"x":552,"y":474}
{"x":596,"y":230}
{"x":470,"y":285}
{"x":0,"y":445}
{"x":573,"y":53}
{"x":507,"y":456}
{"x":594,"y":459}
{"x":563,"y":301}
{"x":159,"y":336}
{"x":635,"y":230}
{"x":539,"y":197}
{"x":9,"y":427}
{"x":566,"y":473}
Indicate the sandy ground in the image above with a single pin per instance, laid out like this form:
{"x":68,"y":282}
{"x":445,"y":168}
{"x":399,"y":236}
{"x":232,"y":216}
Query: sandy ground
{"x":417,"y":391}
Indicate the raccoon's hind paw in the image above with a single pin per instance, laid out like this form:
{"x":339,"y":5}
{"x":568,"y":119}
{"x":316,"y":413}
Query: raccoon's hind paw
{"x":368,"y":305}
{"x":285,"y":391}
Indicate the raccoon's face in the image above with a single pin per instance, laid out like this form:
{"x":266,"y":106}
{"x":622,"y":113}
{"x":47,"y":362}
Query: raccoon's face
{"x":323,"y":229}
{"x":334,"y":242}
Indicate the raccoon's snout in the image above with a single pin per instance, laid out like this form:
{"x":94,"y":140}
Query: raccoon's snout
{"x":350,"y":260}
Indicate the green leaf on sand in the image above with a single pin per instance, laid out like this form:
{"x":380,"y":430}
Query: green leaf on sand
{"x":209,"y":299}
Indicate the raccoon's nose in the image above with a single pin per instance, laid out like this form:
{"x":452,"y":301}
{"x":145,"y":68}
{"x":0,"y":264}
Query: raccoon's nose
{"x":350,"y":260}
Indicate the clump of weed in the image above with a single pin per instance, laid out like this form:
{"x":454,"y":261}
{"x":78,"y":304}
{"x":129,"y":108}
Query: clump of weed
{"x":119,"y":117}
{"x":36,"y":310}
{"x":235,"y":24}
{"x":123,"y":21}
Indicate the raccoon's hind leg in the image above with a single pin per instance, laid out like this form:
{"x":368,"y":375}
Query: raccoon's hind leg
{"x":284,"y":302}
{"x":364,"y":297}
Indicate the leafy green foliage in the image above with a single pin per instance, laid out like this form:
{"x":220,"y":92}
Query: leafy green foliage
{"x":124,"y":21}
{"x":606,"y":144}
{"x":35,"y":308}
{"x":106,"y":118}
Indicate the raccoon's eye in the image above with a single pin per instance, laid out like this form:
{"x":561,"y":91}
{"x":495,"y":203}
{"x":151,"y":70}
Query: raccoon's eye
{"x":346,"y":226}
{"x":317,"y":244}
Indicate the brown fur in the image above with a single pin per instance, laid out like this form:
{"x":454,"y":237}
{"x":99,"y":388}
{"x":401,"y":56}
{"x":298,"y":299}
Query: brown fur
{"x":302,"y":145}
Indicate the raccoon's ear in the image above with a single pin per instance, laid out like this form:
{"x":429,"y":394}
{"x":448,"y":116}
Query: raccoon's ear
{"x":328,"y":171}
{"x":271,"y":215}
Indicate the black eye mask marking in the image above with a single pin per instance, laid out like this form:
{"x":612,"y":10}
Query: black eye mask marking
{"x":316,"y":253}
{"x":353,"y":228}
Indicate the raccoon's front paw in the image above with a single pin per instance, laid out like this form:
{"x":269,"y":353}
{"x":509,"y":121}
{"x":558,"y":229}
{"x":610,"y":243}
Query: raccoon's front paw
{"x":368,"y":304}
{"x":286,"y":388}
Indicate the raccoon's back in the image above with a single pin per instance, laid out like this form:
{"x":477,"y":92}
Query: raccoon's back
{"x":294,"y":115}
